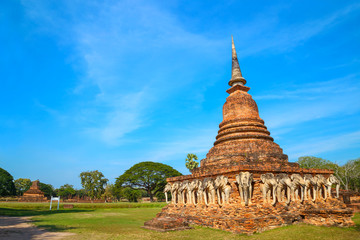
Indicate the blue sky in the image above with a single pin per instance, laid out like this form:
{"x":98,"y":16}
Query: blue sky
{"x":102,"y":85}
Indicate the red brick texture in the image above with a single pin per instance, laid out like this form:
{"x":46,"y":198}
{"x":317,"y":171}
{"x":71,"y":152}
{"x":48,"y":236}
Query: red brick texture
{"x":244,"y":144}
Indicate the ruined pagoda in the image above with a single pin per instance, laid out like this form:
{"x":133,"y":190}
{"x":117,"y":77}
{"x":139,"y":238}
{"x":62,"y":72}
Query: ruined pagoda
{"x":34,"y":194}
{"x":246,"y":184}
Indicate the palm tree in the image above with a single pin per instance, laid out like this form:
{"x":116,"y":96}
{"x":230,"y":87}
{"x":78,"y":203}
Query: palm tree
{"x":190,"y":161}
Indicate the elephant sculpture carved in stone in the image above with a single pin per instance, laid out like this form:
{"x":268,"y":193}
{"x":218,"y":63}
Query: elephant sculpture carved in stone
{"x":209,"y":191}
{"x":180,"y":192}
{"x":269,"y":184}
{"x":244,"y":181}
{"x":175,"y":193}
{"x":167,"y":189}
{"x":284,"y":185}
{"x":184,"y":191}
{"x":330,"y":181}
{"x":321,"y":186}
{"x":297,"y":183}
{"x":310,"y":186}
{"x":201,"y":192}
{"x":193,"y":190}
{"x":223,"y":189}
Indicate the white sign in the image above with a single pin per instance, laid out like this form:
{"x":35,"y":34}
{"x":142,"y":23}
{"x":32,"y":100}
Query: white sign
{"x":55,"y":199}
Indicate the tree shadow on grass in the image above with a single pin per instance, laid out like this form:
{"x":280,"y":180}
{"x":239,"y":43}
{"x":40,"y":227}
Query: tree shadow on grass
{"x":13,"y":212}
{"x":51,"y":227}
{"x":19,"y":228}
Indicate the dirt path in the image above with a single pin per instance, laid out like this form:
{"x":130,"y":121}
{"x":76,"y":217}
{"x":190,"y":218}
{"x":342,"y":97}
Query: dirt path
{"x":16,"y":228}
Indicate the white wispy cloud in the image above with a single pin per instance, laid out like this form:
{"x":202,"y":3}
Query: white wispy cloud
{"x":124,"y":115}
{"x":195,"y":140}
{"x":56,"y":114}
{"x":178,"y":144}
{"x":313,"y":101}
{"x":327,"y":144}
{"x":316,"y":89}
{"x":270,"y":37}
{"x":111,"y":50}
{"x":116,"y":44}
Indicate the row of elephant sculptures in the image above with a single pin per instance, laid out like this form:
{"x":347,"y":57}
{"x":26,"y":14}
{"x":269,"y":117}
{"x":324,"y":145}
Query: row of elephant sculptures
{"x":280,"y":187}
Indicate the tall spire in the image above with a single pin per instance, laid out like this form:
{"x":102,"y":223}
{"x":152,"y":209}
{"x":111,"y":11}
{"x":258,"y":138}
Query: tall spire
{"x":236,"y":76}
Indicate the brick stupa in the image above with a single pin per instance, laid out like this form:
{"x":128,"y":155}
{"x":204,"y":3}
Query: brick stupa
{"x":34,"y":194}
{"x":244,"y":144}
{"x":243,"y":139}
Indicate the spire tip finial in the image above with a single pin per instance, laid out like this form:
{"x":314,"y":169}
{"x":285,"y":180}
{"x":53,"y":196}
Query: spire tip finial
{"x":236,"y":76}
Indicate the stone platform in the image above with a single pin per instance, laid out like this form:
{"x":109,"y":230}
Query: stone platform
{"x":167,"y":223}
{"x":354,"y":206}
{"x":258,"y":216}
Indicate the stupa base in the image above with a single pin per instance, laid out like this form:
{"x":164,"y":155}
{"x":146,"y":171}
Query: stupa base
{"x":253,"y":218}
{"x":167,"y":223}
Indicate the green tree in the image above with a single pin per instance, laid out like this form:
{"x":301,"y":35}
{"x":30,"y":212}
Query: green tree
{"x":355,"y":181}
{"x":94,"y":183}
{"x":131,"y":194}
{"x":349,"y":174}
{"x":80,"y":193}
{"x":7,"y":186}
{"x":191,"y":161}
{"x":112,"y":193}
{"x":149,"y":176}
{"x":66,"y":191}
{"x":22,"y":185}
{"x":48,"y":189}
{"x":160,"y":196}
{"x":116,"y":192}
{"x":315,"y":162}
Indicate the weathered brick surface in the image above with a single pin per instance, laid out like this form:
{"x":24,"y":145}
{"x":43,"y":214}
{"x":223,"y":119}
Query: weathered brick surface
{"x":243,"y":137}
{"x":354,"y":206}
{"x":244,"y":144}
{"x":260,"y":216}
{"x":34,"y":194}
{"x":167,"y":223}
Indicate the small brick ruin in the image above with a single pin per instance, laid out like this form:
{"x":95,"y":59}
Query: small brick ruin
{"x":246,"y":184}
{"x":34,"y":194}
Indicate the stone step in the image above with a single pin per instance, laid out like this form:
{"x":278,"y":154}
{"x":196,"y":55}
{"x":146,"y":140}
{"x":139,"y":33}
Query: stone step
{"x":354,"y":206}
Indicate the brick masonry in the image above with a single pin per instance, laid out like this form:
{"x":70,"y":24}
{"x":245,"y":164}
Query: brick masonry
{"x":34,"y":194}
{"x":244,"y":144}
{"x":260,"y":216}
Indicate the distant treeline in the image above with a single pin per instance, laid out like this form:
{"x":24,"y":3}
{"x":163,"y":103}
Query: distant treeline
{"x":145,"y":179}
{"x":148,"y":179}
{"x":348,"y":173}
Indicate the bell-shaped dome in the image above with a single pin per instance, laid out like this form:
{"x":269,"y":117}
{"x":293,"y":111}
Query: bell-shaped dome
{"x":242,"y":137}
{"x":240,"y":105}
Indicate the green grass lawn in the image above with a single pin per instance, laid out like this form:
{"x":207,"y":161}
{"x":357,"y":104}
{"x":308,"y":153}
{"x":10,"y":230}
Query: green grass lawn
{"x":124,"y":223}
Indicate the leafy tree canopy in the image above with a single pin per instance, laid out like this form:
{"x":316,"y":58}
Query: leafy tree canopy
{"x":94,"y":183}
{"x":160,"y":196}
{"x":190,"y":161}
{"x":348,"y":174}
{"x":149,"y":176}
{"x":131,"y":194}
{"x":112,"y":192}
{"x":48,"y":189}
{"x":7,"y":187}
{"x":66,"y":191}
{"x":315,"y":162}
{"x":22,"y":185}
{"x":80,"y":193}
